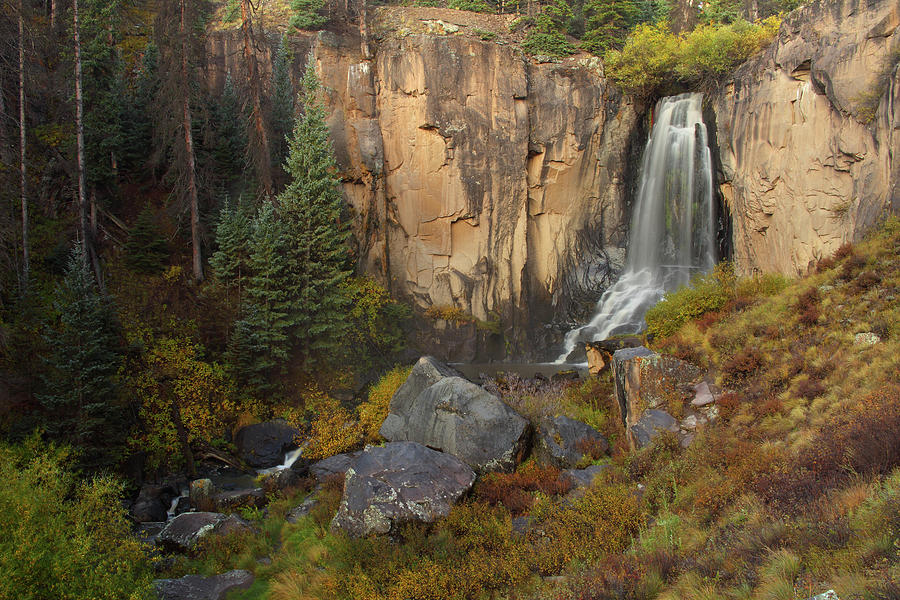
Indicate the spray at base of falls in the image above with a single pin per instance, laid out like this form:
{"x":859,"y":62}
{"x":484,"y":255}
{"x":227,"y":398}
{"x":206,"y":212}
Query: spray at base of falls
{"x":672,"y":234}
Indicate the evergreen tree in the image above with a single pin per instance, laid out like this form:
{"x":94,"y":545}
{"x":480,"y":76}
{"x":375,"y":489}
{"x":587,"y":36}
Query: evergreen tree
{"x":607,"y":23}
{"x":263,"y":333}
{"x":310,"y":208}
{"x":282,"y":100}
{"x":81,"y":400}
{"x":230,"y":146}
{"x":137,"y":127}
{"x":146,"y":250}
{"x":307,"y":14}
{"x":231,"y":260}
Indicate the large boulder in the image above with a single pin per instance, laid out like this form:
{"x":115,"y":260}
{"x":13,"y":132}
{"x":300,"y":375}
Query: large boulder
{"x":263,"y":445}
{"x":650,"y":425}
{"x":426,"y":372}
{"x":458,"y":417}
{"x":197,"y":587}
{"x":398,"y":483}
{"x":237,"y":499}
{"x":647,"y":380}
{"x":562,"y":442}
{"x":152,"y":503}
{"x":184,"y":532}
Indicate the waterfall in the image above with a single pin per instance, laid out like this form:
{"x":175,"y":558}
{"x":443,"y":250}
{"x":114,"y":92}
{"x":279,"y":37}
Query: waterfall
{"x":672,"y":233}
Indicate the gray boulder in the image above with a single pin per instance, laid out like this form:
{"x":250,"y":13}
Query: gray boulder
{"x":398,"y":483}
{"x":426,"y":372}
{"x":152,"y":503}
{"x":263,"y":445}
{"x":333,"y":465}
{"x":581,"y":478}
{"x":562,"y":441}
{"x":184,"y":532}
{"x":463,"y":419}
{"x":197,"y":587}
{"x":232,"y":501}
{"x":651,"y":424}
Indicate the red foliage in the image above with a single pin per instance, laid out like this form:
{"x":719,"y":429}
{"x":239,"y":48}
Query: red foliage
{"x":742,"y":365}
{"x":769,"y":407}
{"x":514,"y":490}
{"x":728,"y":404}
{"x":808,"y":307}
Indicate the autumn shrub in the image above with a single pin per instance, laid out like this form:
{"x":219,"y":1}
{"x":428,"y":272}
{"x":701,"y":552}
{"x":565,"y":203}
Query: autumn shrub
{"x":374,"y":410}
{"x":531,"y":398}
{"x":807,"y":307}
{"x":728,"y":404}
{"x":851,"y":266}
{"x":333,"y":431}
{"x":453,"y":314}
{"x":327,"y":501}
{"x":61,"y":537}
{"x":706,"y":293}
{"x":515,"y":490}
{"x":865,"y":281}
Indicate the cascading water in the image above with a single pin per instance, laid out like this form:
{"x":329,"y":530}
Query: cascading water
{"x":672,"y":232}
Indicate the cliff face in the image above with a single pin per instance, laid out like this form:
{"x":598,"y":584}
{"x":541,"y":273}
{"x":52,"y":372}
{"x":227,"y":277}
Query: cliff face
{"x":478,"y":179}
{"x":809,"y":135}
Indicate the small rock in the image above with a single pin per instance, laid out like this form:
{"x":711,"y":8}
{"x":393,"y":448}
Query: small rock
{"x":691,"y":422}
{"x":231,"y":501}
{"x":562,"y":441}
{"x":650,"y":425}
{"x":580,"y":478}
{"x":702,"y":395}
{"x":197,"y":587}
{"x":829,"y":595}
{"x":866,"y":339}
{"x":439,"y":27}
{"x":333,"y":465}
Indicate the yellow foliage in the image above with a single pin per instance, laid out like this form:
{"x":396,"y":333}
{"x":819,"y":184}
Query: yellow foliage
{"x":374,"y":411}
{"x":333,"y":431}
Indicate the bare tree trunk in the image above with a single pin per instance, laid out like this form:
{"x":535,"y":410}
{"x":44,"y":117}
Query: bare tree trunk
{"x":189,"y":150}
{"x":79,"y":136}
{"x":259,"y":133}
{"x":25,"y":263}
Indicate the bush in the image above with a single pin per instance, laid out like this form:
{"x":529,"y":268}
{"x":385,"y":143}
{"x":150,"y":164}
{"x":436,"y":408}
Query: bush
{"x":552,"y":44}
{"x":706,"y":293}
{"x":654,"y":59}
{"x":516,"y":490}
{"x":471,"y":5}
{"x":60,"y":538}
{"x":374,"y":411}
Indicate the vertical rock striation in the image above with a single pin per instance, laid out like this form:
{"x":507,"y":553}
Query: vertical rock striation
{"x":809,"y":135}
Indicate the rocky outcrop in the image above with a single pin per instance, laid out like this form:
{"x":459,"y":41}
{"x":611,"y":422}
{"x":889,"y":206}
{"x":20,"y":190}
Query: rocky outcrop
{"x":264,"y":444}
{"x":478,"y":178}
{"x":563,"y":442}
{"x":184,"y":532}
{"x":808,"y":135}
{"x":462,"y":419}
{"x":197,"y":587}
{"x":398,"y":483}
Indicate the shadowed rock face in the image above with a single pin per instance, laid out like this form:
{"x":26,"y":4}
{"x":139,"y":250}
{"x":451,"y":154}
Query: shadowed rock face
{"x":808,"y":135}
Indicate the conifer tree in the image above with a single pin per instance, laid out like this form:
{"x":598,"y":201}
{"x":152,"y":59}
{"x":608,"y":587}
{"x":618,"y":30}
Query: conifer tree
{"x":146,"y":250}
{"x":607,"y":23}
{"x":230,"y":148}
{"x":231,"y":260}
{"x":307,"y":14}
{"x":282,"y":100}
{"x":81,"y":399}
{"x":310,"y":208}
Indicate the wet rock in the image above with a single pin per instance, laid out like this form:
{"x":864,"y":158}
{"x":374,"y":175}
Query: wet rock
{"x":333,"y":465}
{"x":152,"y":503}
{"x":232,"y":501}
{"x":263,"y":445}
{"x":197,"y":587}
{"x":462,"y":419}
{"x":651,"y":424}
{"x":562,"y":442}
{"x":185,"y":531}
{"x":399,"y":483}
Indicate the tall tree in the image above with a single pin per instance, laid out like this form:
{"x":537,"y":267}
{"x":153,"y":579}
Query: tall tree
{"x":283,"y":97}
{"x":258,"y":131}
{"x":179,"y":39}
{"x":311,"y":209}
{"x":607,"y":23}
{"x":86,"y":237}
{"x":81,"y":399}
{"x":22,"y":169}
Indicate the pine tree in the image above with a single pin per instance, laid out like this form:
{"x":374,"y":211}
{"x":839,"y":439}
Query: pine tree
{"x":146,"y":250}
{"x":310,"y":208}
{"x":231,"y":260}
{"x":81,"y":399}
{"x":307,"y":14}
{"x":230,"y":146}
{"x":607,"y":23}
{"x":282,"y":100}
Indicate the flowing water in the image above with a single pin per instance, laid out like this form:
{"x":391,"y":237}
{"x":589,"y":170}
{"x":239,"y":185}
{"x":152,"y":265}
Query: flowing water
{"x":672,"y":234}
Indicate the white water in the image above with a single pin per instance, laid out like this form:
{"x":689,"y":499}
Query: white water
{"x":672,"y":233}
{"x":289,"y":459}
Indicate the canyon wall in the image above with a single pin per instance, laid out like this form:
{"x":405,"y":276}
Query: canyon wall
{"x":809,"y":135}
{"x":478,"y":179}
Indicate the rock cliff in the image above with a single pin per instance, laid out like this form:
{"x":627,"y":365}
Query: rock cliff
{"x":479,"y":179}
{"x":809,"y":135}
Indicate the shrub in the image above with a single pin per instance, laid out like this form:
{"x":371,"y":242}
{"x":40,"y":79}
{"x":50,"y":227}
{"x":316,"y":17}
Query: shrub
{"x":471,"y":5}
{"x":483,"y":34}
{"x":515,"y":490}
{"x":63,"y":539}
{"x":453,"y":314}
{"x":741,"y":365}
{"x":374,"y":411}
{"x":706,"y":293}
{"x":553,"y":44}
{"x":808,"y":307}
{"x":333,"y":431}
